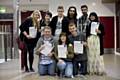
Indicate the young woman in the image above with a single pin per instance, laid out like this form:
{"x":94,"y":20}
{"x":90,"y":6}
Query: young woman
{"x":95,"y":33}
{"x":72,"y":15}
{"x":64,"y":63}
{"x":46,"y":21}
{"x":30,"y":25}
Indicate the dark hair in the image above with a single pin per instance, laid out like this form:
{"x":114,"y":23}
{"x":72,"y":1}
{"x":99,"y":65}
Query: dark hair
{"x":63,"y":34}
{"x":60,"y":7}
{"x":71,"y":24}
{"x":93,"y":14}
{"x":68,"y":14}
{"x":84,"y":6}
{"x":49,"y":13}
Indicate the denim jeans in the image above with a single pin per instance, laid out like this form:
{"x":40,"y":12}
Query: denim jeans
{"x":48,"y":69}
{"x":66,"y":67}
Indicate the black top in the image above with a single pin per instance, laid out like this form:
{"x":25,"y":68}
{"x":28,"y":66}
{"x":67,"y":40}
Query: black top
{"x":101,"y":28}
{"x":64,"y":24}
{"x":79,"y":37}
{"x":25,"y":27}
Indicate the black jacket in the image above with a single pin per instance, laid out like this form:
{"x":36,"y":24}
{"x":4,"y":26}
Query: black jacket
{"x":25,"y":27}
{"x":64,"y":24}
{"x":79,"y":37}
{"x":101,"y":28}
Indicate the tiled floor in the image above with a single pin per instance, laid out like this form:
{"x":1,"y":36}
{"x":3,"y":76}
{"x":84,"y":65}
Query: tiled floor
{"x":11,"y":71}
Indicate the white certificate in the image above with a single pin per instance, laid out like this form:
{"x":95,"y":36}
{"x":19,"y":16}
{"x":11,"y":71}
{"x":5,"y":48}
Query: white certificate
{"x":47,"y":49}
{"x":32,"y":32}
{"x":62,"y":51}
{"x":78,"y":47}
{"x":94,"y":26}
{"x":58,"y":31}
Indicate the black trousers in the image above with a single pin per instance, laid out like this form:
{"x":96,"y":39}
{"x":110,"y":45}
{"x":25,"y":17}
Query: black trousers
{"x":82,"y":69}
{"x":29,"y":50}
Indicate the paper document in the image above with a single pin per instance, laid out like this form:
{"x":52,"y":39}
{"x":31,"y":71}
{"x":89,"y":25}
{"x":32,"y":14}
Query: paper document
{"x":78,"y":47}
{"x":62,"y":51}
{"x":94,"y":26}
{"x":32,"y":32}
{"x":47,"y":49}
{"x":58,"y":31}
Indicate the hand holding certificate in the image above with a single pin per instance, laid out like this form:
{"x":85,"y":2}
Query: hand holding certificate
{"x":78,"y":47}
{"x":47,"y":49}
{"x":94,"y":26}
{"x":62,"y":51}
{"x":32,"y":32}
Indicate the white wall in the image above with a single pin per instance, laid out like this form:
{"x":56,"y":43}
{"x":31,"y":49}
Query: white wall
{"x":93,"y":5}
{"x":24,"y":5}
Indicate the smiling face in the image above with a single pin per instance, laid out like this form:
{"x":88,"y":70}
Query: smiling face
{"x":47,"y":32}
{"x":92,"y":18}
{"x":72,"y":29}
{"x":63,"y":39}
{"x":84,"y":10}
{"x":36,"y":15}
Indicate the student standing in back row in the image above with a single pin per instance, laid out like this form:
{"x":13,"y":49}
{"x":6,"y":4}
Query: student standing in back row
{"x":72,"y":15}
{"x":95,"y":33}
{"x":59,"y":23}
{"x":30,"y":31}
{"x":45,"y":21}
{"x":83,"y":21}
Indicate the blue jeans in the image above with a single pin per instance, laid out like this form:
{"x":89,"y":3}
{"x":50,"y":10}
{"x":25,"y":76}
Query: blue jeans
{"x":48,"y":69}
{"x":66,"y":67}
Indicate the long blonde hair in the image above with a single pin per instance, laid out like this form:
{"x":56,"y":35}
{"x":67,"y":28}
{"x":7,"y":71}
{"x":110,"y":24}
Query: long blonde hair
{"x":36,"y":22}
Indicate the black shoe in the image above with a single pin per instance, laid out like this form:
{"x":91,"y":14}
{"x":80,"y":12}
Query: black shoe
{"x":32,"y":70}
{"x":26,"y":70}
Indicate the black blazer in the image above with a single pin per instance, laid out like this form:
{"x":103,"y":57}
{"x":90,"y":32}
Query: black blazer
{"x":101,"y":28}
{"x":25,"y":27}
{"x":64,"y":24}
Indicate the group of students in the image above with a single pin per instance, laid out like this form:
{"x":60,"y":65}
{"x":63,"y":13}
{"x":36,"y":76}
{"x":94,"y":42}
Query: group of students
{"x":48,"y":35}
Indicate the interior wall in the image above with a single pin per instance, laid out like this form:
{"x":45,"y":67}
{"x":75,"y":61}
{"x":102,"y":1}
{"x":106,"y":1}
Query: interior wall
{"x":118,"y":26}
{"x":93,"y":5}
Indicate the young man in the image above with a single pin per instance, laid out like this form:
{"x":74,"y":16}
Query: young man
{"x":79,"y":58}
{"x":59,"y":23}
{"x":44,"y":48}
{"x":83,"y":21}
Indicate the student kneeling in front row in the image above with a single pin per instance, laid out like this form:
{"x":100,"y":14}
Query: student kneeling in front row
{"x":44,"y":48}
